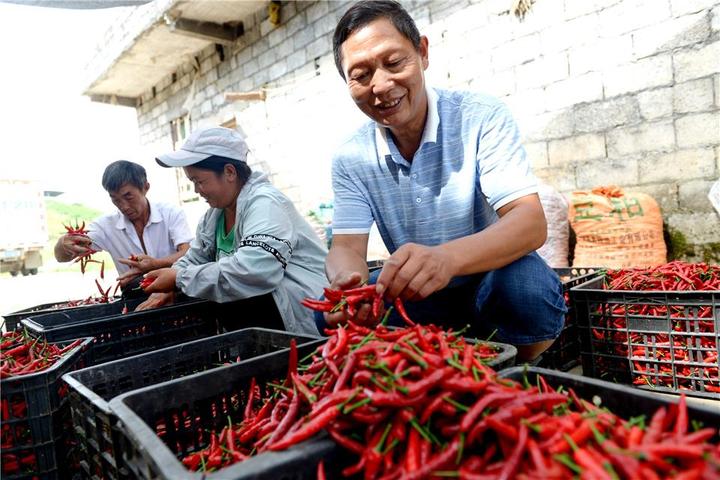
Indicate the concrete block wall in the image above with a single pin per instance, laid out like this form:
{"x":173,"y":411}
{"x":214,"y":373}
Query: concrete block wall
{"x":622,"y":92}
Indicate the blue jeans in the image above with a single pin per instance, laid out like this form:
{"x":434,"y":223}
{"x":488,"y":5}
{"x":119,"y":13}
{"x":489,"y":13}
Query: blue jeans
{"x":523,"y":302}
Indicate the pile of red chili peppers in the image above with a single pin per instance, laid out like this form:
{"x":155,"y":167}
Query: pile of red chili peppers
{"x":338,"y":381}
{"x":420,"y":402}
{"x":684,"y":358}
{"x":21,"y":355}
{"x":83,"y":302}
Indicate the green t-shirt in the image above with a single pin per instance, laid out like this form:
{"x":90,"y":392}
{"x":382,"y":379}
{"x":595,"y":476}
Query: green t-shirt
{"x":224,"y":243}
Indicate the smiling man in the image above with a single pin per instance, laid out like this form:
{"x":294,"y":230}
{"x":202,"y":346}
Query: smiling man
{"x":445,"y":178}
{"x":141,"y":236}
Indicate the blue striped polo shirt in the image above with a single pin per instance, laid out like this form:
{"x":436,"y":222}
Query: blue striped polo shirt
{"x":469,"y":164}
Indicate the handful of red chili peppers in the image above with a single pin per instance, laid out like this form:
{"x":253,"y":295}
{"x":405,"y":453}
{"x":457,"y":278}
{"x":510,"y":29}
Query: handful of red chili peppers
{"x":85,"y":258}
{"x":420,"y":402}
{"x":688,"y":355}
{"x":349,"y":301}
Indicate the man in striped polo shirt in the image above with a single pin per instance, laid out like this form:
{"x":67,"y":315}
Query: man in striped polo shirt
{"x":445,"y":178}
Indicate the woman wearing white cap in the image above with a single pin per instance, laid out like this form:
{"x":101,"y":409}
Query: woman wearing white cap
{"x":251,"y":242}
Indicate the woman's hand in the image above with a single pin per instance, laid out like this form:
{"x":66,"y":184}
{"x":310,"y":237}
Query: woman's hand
{"x":157,"y":300}
{"x":163,"y":280}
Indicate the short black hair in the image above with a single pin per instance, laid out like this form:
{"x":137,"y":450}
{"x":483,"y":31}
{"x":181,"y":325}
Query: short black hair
{"x":366,"y":11}
{"x":216,"y":163}
{"x":121,"y":172}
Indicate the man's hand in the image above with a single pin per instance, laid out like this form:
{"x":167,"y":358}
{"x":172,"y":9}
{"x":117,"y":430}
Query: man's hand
{"x":163,"y":280}
{"x":157,"y":300}
{"x":138,"y":264}
{"x":142,"y":263}
{"x":73,"y":245}
{"x":344,"y":281}
{"x":415,"y":271}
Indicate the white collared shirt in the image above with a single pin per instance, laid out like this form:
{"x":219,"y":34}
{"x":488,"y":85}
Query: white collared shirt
{"x":166,"y":229}
{"x":429,"y":133}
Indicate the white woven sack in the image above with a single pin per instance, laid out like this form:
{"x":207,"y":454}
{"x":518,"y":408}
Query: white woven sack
{"x":555,"y":250}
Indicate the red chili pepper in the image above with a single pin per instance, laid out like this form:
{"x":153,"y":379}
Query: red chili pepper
{"x":681,"y":422}
{"x":318,"y":305}
{"x":346,"y":442}
{"x":146,"y":282}
{"x":321,"y":470}
{"x":342,"y":340}
{"x":307,"y":430}
{"x":376,"y":305}
{"x":347,"y":371}
{"x":403,"y":314}
{"x":250,"y":399}
{"x":654,"y":430}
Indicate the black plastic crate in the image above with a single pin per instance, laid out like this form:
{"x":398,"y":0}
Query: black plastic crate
{"x":138,"y":332}
{"x":506,"y":354}
{"x":194,"y":397}
{"x":82,"y":312}
{"x":623,"y":340}
{"x":564,"y":353}
{"x":204,"y":401}
{"x":92,"y":388}
{"x":622,"y":400}
{"x":36,"y":417}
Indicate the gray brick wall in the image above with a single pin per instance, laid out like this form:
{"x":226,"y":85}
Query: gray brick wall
{"x":605,"y":91}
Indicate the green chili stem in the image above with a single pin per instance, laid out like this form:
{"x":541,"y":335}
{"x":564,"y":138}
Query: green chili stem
{"x":456,"y":404}
{"x":567,"y":461}
{"x":355,"y":405}
{"x":378,"y":447}
{"x":460,"y":449}
{"x":570,"y":441}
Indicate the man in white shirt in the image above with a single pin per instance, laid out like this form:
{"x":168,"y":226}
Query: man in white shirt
{"x":141,"y":236}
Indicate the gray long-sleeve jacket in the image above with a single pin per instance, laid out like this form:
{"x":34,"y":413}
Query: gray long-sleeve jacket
{"x":276,"y":251}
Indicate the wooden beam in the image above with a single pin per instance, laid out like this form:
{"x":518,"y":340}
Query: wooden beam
{"x":225,"y":33}
{"x":115,"y":100}
{"x":235,"y":96}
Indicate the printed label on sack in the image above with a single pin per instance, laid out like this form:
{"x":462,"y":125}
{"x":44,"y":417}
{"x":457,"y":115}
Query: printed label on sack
{"x":623,"y":208}
{"x":623,"y":230}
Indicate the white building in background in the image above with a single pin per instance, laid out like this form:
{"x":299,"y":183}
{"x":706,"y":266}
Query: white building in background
{"x":605,"y":91}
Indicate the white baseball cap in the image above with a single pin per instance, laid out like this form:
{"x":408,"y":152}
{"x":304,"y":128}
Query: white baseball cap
{"x":203,"y":144}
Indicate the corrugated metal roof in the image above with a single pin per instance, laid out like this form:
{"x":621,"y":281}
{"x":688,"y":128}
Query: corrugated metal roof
{"x":79,"y":4}
{"x":148,"y":45}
